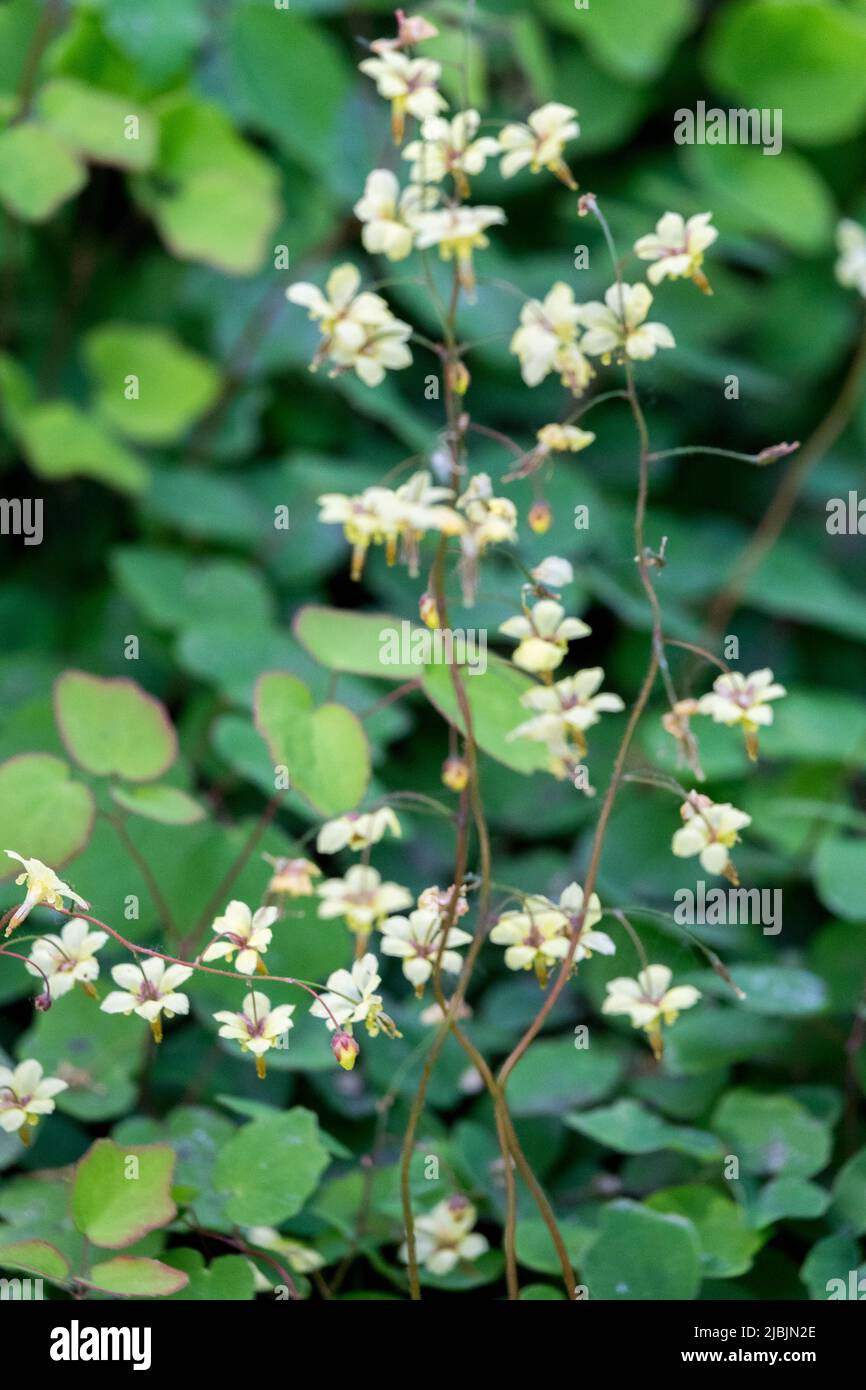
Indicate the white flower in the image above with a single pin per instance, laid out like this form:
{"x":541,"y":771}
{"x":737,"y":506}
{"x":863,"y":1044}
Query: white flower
{"x":302,"y":1259}
{"x":710,"y":830}
{"x":148,"y":990}
{"x":543,"y":634}
{"x":546,"y":340}
{"x":257,"y":1027}
{"x":444,"y":1238}
{"x":457,"y":231}
{"x":380,"y":516}
{"x":490,"y":521}
{"x":738,"y":699}
{"x":362,"y":898}
{"x":648,"y":1000}
{"x":351,"y":998}
{"x":540,"y":142}
{"x":564,"y":712}
{"x":25,"y":1095}
{"x":540,"y":934}
{"x":292,"y":877}
{"x":67,"y":959}
{"x":560,"y":438}
{"x":358,"y":330}
{"x":243,"y":931}
{"x":357,"y":830}
{"x":553,"y":573}
{"x":43,"y":886}
{"x":388,"y":214}
{"x":417,"y":940}
{"x":677,"y":248}
{"x":450,"y":147}
{"x":851,"y":265}
{"x":617,"y":326}
{"x":409,"y":84}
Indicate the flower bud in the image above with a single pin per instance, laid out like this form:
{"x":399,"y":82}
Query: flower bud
{"x":42,"y":1002}
{"x":458,"y":378}
{"x":345,"y":1048}
{"x":540,"y":517}
{"x":428,"y":611}
{"x":455,"y":773}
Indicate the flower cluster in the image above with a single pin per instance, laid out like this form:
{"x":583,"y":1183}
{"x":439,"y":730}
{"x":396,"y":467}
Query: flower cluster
{"x":542,"y":933}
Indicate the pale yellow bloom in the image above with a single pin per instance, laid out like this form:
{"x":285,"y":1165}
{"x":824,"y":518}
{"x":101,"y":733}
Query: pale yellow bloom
{"x":67,"y":959}
{"x":457,"y":231}
{"x":351,"y":998}
{"x":445,"y":1238}
{"x":539,"y":935}
{"x":361,"y":898}
{"x":359,"y":331}
{"x":553,"y":572}
{"x":710,"y":830}
{"x":257,"y":1027}
{"x":25,"y":1096}
{"x":450,"y":147}
{"x":546,"y":340}
{"x":540,"y":142}
{"x":417,"y":941}
{"x":357,"y":830}
{"x":409,"y":84}
{"x":543,"y":634}
{"x":382,"y":516}
{"x":245,"y":932}
{"x":292,"y":877}
{"x":851,"y":266}
{"x":737,"y":699}
{"x":617,"y":326}
{"x":388,"y":214}
{"x":562,"y":438}
{"x":563,"y":713}
{"x":649,"y":1000}
{"x":149,"y":990}
{"x":43,"y":886}
{"x":677,"y":248}
{"x":301,"y":1259}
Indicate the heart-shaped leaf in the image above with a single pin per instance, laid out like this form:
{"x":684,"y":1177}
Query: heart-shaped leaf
{"x":119,"y":1194}
{"x":37,"y":1257}
{"x":325,"y":750}
{"x":155,"y":801}
{"x":43,"y":813}
{"x":133,"y":1276}
{"x":113,"y":726}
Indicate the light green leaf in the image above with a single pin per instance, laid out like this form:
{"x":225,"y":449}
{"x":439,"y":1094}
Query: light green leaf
{"x":37,"y":1257}
{"x":270,"y":1168}
{"x":772,"y":1133}
{"x":169,"y":805}
{"x":174,"y":386}
{"x":494,"y":703}
{"x":780,"y":991}
{"x":794,"y":1198}
{"x":781,"y":196}
{"x":727,"y":1244}
{"x":173,"y":590}
{"x":105,"y":128}
{"x":630,"y":37}
{"x":348,"y":641}
{"x":133,"y":1276}
{"x":119,"y":1194}
{"x":325,"y":750}
{"x":643,"y":1254}
{"x":159,"y":37}
{"x":228,"y":1277}
{"x":37,"y":172}
{"x":61,"y":441}
{"x":840,"y":873}
{"x":113,"y":726}
{"x":43,"y":813}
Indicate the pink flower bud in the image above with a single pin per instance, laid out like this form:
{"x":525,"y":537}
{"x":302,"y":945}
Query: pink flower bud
{"x":345,"y":1049}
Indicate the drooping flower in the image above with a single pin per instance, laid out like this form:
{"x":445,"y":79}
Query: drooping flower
{"x":850,"y":268}
{"x":649,"y":1001}
{"x":440,"y":900}
{"x":709,"y":830}
{"x":553,"y":573}
{"x":393,"y":518}
{"x":677,"y":247}
{"x":292,"y":878}
{"x":418,"y":940}
{"x":489,"y":521}
{"x":25,"y":1096}
{"x":546,"y":340}
{"x":345,"y":1049}
{"x":245,"y":932}
{"x":411,"y":29}
{"x":738,"y":699}
{"x":543,"y":634}
{"x":257,"y":1027}
{"x":149,"y":990}
{"x":351,"y":998}
{"x":540,"y":142}
{"x":67,"y":959}
{"x":410,"y":86}
{"x":563,"y":713}
{"x":455,"y":774}
{"x":357,"y":830}
{"x":539,"y":935}
{"x":445,"y":1238}
{"x":562,"y":438}
{"x":457,"y":231}
{"x":617,"y":326}
{"x":388,"y":214}
{"x":359,"y":331}
{"x":361,"y":898}
{"x":301,"y":1259}
{"x":43,"y":886}
{"x":450,"y":147}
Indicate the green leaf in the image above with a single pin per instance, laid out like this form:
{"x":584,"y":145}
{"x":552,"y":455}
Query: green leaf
{"x":840,"y":872}
{"x":643,"y":1254}
{"x":174,"y":386}
{"x":42,"y":811}
{"x":828,"y":1268}
{"x":119,"y":1194}
{"x":169,"y":805}
{"x":105,"y":128}
{"x":809,"y":59}
{"x":629,"y":1127}
{"x":727,"y":1244}
{"x":535,"y":1250}
{"x":795,"y":1198}
{"x":630,"y":37}
{"x":348,"y":641}
{"x":710,"y":1038}
{"x":228,"y":1277}
{"x":780,"y":991}
{"x":132,"y":1276}
{"x":37,"y":172}
{"x":324,"y":749}
{"x":849,"y":1193}
{"x":772,"y":1133}
{"x":61,"y":441}
{"x":270,"y":1168}
{"x":113,"y":726}
{"x":159,"y":37}
{"x":106,"y":1053}
{"x":37,"y":1257}
{"x":494,"y":703}
{"x":554,"y":1075}
{"x":173,"y":590}
{"x":781,"y":196}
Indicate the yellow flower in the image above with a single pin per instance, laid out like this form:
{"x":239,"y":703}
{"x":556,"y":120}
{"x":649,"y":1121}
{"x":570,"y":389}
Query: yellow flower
{"x":450,"y":147}
{"x":649,"y":1000}
{"x":543,"y":635}
{"x":540,"y":934}
{"x":546,"y":340}
{"x":257,"y":1027}
{"x":457,"y":231}
{"x":357,"y":831}
{"x":737,"y":699}
{"x":565,"y":437}
{"x":710,"y":830}
{"x":43,"y":886}
{"x":445,"y":1238}
{"x":563,"y":713}
{"x":677,"y":248}
{"x":409,"y":84}
{"x":245,"y":932}
{"x":292,"y":877}
{"x":359,"y":332}
{"x":540,"y":142}
{"x":388,"y":214}
{"x":617,"y":326}
{"x":361,"y":898}
{"x":25,"y":1096}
